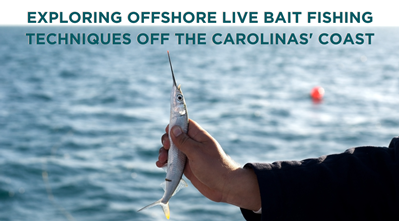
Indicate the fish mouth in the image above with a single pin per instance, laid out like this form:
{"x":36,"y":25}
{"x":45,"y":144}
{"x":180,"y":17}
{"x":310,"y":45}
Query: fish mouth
{"x":172,"y":70}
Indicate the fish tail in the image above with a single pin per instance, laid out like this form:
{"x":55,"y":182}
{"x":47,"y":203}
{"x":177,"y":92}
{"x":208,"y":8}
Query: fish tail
{"x":165,"y":207}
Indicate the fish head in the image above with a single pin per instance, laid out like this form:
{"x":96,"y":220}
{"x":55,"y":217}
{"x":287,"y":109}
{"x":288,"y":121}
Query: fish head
{"x":178,"y":104}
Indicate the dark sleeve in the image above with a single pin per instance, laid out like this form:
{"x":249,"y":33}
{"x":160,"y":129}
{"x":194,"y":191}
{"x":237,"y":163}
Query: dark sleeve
{"x":359,"y":184}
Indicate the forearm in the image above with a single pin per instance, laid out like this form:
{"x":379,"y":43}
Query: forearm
{"x":242,"y":189}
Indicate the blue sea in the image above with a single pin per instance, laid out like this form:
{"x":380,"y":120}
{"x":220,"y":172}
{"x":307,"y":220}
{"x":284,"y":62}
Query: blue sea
{"x":81,"y":124}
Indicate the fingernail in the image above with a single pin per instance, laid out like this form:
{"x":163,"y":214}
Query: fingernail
{"x":176,"y":131}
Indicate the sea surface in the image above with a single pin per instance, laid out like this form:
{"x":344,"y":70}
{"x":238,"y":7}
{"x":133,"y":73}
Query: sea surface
{"x":80,"y":124}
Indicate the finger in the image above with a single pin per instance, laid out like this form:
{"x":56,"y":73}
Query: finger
{"x":166,"y":129}
{"x":184,"y":143}
{"x":160,"y":164}
{"x":196,"y":132}
{"x":165,"y":141}
{"x":162,"y":157}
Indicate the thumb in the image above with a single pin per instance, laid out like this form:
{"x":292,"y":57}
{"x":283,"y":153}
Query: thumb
{"x":183,"y":142}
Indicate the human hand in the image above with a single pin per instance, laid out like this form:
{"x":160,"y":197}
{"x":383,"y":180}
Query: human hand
{"x":210,"y":170}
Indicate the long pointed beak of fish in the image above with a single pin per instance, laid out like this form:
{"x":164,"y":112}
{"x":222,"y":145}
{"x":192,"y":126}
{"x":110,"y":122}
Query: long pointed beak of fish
{"x":172,"y":71}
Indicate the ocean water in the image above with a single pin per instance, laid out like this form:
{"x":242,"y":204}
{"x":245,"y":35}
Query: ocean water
{"x":80,"y":125}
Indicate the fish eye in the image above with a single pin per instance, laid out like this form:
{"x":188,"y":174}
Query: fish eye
{"x":179,"y":97}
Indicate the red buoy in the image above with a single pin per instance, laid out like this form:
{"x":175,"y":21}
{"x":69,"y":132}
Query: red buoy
{"x":317,"y":93}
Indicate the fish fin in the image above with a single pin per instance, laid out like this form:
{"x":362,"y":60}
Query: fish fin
{"x":165,"y":207}
{"x":164,"y":185}
{"x":165,"y":167}
{"x":182,"y":184}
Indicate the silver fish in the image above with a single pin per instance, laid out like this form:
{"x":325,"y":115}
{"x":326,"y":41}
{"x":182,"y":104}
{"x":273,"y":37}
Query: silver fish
{"x":176,"y":159}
